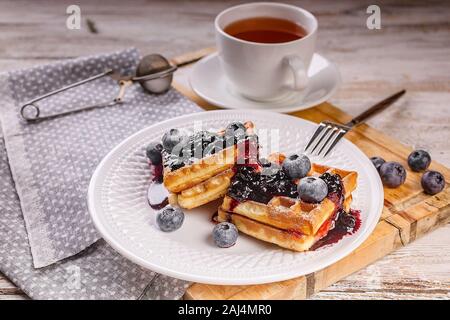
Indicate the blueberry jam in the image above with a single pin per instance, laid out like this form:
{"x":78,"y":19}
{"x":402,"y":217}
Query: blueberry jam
{"x":341,"y":223}
{"x":333,"y":182}
{"x":249,"y":184}
{"x":335,"y":191}
{"x":248,"y":152}
{"x":345,"y":224}
{"x":157,"y":194}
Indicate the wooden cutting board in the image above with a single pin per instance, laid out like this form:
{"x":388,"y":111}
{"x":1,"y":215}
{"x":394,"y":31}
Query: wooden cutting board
{"x":408,"y":213}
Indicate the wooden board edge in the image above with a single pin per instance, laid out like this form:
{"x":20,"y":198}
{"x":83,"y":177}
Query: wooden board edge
{"x":395,"y":231}
{"x":382,"y":241}
{"x":191,"y":57}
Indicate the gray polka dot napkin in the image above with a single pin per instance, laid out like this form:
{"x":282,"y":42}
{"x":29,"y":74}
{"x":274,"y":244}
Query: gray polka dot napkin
{"x":48,"y":244}
{"x":52,"y":161}
{"x":96,"y":273}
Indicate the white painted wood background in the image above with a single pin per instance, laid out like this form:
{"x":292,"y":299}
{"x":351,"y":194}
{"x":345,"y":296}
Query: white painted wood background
{"x":411,"y":51}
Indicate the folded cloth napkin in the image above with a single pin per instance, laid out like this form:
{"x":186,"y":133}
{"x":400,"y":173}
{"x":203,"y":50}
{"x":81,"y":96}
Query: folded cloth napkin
{"x":96,"y":273}
{"x":52,"y":161}
{"x":43,"y":215}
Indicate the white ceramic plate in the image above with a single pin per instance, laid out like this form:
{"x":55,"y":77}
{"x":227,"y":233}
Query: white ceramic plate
{"x":118,"y":206}
{"x":208,"y":81}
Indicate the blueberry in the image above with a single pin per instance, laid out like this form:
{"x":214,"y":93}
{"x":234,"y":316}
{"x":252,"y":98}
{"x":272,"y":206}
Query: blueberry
{"x":392,"y":174}
{"x":377,"y":162}
{"x":432,"y":182}
{"x":225,"y":234}
{"x":297,"y":166}
{"x":172,"y":138}
{"x":346,"y":221}
{"x":153,"y":152}
{"x":419,"y":160}
{"x":170,"y":219}
{"x":312,"y":189}
{"x":235,"y":129}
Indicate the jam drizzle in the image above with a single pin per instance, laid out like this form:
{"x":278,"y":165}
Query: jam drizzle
{"x":234,"y":203}
{"x":157,"y":194}
{"x":249,"y":183}
{"x":341,"y":223}
{"x":343,"y":226}
{"x":248,"y":152}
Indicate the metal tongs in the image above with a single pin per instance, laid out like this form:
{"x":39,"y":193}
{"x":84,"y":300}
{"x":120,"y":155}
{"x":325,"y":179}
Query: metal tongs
{"x":154,"y":73}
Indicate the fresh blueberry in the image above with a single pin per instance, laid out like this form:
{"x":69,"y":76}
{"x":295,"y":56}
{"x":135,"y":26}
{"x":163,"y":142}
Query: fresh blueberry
{"x":235,"y":129}
{"x":172,"y":138}
{"x":432,"y":182}
{"x":312,"y":189}
{"x":225,"y":234}
{"x":153,"y":152}
{"x":346,"y":221}
{"x":297,"y":166}
{"x":392,"y":174}
{"x":377,"y":162}
{"x":170,"y":219}
{"x":419,"y":160}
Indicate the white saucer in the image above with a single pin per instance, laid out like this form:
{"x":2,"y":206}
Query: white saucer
{"x":208,"y":81}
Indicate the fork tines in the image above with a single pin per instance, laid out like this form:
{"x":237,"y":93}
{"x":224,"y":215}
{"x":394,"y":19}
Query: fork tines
{"x":326,"y":136}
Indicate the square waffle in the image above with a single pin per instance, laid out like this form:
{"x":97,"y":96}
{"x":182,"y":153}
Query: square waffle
{"x":290,"y":222}
{"x":205,"y":179}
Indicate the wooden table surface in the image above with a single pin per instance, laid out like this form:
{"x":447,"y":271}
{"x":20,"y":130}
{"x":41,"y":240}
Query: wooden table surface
{"x":411,"y":51}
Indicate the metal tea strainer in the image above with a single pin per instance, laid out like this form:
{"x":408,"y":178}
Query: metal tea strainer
{"x":154,"y":73}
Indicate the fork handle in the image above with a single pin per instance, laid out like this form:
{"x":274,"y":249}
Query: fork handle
{"x":380,"y":106}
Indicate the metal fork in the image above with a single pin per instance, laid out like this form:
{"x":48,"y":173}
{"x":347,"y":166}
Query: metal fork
{"x":328,"y":134}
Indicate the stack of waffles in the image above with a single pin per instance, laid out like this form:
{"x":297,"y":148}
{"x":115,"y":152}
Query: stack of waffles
{"x":259,"y":201}
{"x":207,"y":177}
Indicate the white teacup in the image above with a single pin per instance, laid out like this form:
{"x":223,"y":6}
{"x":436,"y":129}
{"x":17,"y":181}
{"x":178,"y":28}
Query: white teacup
{"x":266,"y":71}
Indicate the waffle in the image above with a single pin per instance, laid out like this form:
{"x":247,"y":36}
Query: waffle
{"x":287,"y":222}
{"x":193,"y":174}
{"x":207,"y":191}
{"x":283,"y":238}
{"x":206,"y":179}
